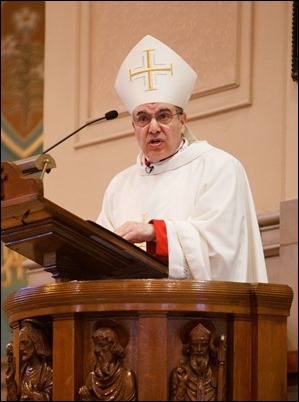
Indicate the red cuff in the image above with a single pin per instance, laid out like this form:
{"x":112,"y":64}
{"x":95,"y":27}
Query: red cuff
{"x":159,"y":248}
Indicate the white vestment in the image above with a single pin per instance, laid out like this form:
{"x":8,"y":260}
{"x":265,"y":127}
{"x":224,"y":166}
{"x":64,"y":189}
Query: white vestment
{"x":203,"y":195}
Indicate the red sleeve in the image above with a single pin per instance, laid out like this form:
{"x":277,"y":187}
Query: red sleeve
{"x":159,"y":248}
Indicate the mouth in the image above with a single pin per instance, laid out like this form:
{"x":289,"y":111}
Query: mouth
{"x":155,"y":142}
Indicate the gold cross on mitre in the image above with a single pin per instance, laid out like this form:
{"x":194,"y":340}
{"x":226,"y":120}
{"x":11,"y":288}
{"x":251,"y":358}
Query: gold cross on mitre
{"x":152,"y":72}
{"x":149,"y":69}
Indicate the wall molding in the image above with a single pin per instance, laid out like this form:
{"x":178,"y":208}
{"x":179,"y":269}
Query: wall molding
{"x":224,"y":97}
{"x":269,"y":225}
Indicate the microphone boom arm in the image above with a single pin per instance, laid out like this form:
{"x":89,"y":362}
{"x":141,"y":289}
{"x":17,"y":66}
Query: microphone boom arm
{"x":112,"y":114}
{"x":44,"y":162}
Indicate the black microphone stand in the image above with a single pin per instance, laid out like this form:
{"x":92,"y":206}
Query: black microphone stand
{"x":44,"y":162}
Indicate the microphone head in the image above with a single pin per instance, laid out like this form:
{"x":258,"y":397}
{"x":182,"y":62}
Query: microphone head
{"x":111,"y":115}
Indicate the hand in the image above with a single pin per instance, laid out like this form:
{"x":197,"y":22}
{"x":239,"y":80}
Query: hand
{"x":136,"y":232}
{"x":182,"y":375}
{"x":10,"y":371}
{"x":84,"y":393}
{"x":28,"y":391}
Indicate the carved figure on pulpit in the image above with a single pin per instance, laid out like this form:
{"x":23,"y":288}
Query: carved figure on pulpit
{"x":201,"y":375}
{"x":110,"y":380}
{"x":10,"y":372}
{"x":36,"y":374}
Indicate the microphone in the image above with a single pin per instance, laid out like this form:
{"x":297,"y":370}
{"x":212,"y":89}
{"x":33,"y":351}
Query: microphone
{"x":112,"y":114}
{"x":149,"y":169}
{"x":148,"y":166}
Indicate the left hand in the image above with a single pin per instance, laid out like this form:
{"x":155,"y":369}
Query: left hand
{"x":136,"y":232}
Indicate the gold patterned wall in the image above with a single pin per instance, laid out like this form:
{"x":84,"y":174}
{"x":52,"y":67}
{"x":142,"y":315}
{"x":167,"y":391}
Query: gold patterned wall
{"x":22,"y":93}
{"x":22,"y":76}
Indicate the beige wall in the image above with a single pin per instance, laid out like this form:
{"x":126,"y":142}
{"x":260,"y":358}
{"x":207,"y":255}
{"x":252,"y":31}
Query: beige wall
{"x":244,"y":100}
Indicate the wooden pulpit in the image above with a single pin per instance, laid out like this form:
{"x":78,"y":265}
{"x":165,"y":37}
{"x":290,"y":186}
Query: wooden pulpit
{"x":109,"y":291}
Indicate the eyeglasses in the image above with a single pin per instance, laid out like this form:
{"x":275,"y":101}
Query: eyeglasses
{"x":142,"y":119}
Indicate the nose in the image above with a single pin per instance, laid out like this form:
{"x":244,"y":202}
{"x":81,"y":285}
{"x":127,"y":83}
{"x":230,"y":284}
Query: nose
{"x":154,"y":126}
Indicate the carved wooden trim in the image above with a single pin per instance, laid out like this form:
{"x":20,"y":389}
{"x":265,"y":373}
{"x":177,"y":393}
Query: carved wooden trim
{"x":238,"y":298}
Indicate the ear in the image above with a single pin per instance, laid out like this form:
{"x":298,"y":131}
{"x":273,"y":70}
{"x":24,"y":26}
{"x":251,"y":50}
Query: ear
{"x":183,"y":120}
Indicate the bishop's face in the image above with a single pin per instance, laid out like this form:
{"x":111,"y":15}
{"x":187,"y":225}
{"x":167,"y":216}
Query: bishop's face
{"x":158,"y":129}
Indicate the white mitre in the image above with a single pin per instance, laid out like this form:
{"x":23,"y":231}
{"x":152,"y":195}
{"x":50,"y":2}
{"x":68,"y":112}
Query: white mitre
{"x":152,"y":72}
